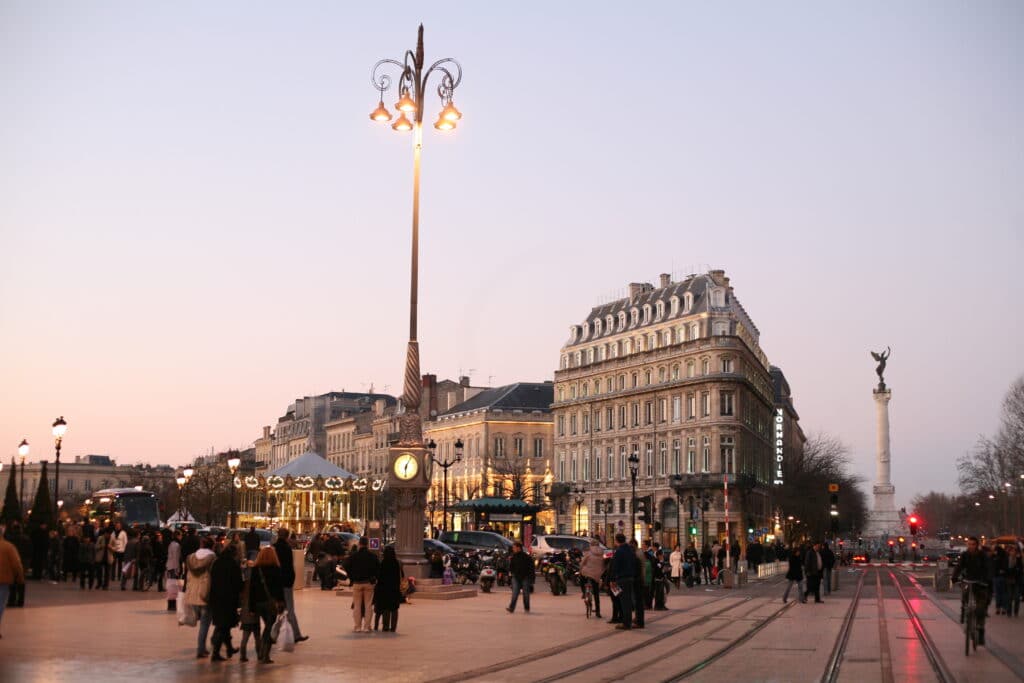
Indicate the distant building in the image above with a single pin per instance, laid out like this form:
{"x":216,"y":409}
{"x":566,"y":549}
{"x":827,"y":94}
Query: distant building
{"x":674,"y":375}
{"x":87,"y":473}
{"x":506,"y":434}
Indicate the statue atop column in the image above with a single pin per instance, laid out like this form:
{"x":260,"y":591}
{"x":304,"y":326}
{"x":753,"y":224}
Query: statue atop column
{"x":881,"y":357}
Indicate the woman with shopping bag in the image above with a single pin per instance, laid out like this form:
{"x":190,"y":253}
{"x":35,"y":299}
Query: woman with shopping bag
{"x":266,"y":597}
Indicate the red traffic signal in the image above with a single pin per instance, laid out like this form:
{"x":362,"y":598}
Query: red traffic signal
{"x":913,"y":519}
{"x":892,"y":543}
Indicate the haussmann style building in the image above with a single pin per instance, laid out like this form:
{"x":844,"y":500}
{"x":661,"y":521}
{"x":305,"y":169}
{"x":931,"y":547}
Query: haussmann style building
{"x":673,"y":375}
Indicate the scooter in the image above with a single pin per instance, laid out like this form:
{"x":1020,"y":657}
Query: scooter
{"x":488,"y":576}
{"x":553,"y":569}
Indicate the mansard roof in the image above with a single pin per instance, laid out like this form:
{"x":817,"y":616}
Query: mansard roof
{"x":525,"y":396}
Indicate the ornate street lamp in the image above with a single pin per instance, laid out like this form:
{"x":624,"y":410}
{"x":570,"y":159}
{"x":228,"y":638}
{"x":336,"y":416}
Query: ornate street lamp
{"x":578,"y":497}
{"x":59,"y":428}
{"x":233,"y":464}
{"x":634,"y":469}
{"x":444,"y":465}
{"x":22,"y":453}
{"x":412,"y":91}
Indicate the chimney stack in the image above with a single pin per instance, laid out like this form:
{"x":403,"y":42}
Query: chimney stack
{"x":666,"y":280}
{"x":638,"y":288}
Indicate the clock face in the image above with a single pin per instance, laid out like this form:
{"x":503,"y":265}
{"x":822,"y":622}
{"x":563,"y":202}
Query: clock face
{"x":406,"y":466}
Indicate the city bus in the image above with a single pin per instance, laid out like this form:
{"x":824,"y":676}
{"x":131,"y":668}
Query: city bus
{"x":131,"y":507}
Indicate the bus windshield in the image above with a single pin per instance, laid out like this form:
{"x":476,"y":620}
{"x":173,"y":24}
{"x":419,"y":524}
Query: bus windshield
{"x":135,"y":509}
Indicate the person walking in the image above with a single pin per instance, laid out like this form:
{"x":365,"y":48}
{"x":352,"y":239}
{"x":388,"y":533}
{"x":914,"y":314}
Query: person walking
{"x":592,"y":569}
{"x":705,"y":562}
{"x":266,"y":598}
{"x":363,"y":570}
{"x":813,"y":568}
{"x":622,"y":573}
{"x":11,"y":570}
{"x":795,"y":574}
{"x":1014,"y":577}
{"x":828,"y":563}
{"x":197,"y":590}
{"x":117,"y":545}
{"x":641,"y":584}
{"x":520,"y":566}
{"x":284,"y":556}
{"x":225,"y":589}
{"x":172,"y":568}
{"x":1000,"y":564}
{"x":387,"y":593}
{"x":16,"y":535}
{"x":692,"y":558}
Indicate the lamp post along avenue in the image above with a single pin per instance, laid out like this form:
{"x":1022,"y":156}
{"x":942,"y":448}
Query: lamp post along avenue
{"x":233,"y":464}
{"x":634,"y":469}
{"x":59,"y":428}
{"x":22,"y":453}
{"x":444,"y":465}
{"x":411,"y":463}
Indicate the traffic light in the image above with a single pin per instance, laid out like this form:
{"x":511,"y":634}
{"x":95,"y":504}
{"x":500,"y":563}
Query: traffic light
{"x":693,"y":531}
{"x":892,"y":543}
{"x":641,"y":511}
{"x":902,"y":540}
{"x":913,"y":525}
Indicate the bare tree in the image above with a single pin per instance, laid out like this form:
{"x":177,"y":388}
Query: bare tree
{"x":511,"y":477}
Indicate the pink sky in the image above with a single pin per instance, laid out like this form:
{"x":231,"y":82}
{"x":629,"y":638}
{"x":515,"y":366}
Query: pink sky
{"x":200,"y":223}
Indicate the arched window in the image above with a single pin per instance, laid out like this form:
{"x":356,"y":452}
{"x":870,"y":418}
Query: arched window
{"x":634,"y":317}
{"x":675,"y":371}
{"x":636,"y":379}
{"x":622,"y":382}
{"x":597,"y":327}
{"x":667,"y":336}
{"x":659,"y":310}
{"x":661,"y":374}
{"x":609,"y":323}
{"x":647,"y":377}
{"x":681,"y":334}
{"x":705,"y":366}
{"x":647,"y":313}
{"x":695,"y":331}
{"x":674,"y":306}
{"x":687,"y":302}
{"x":689,"y":368}
{"x":622,"y":320}
{"x":585,"y":331}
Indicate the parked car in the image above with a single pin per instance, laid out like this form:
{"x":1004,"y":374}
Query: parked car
{"x":476,"y":540}
{"x":267,"y":537}
{"x":554,"y":543}
{"x":430,"y":545}
{"x":861,"y":557}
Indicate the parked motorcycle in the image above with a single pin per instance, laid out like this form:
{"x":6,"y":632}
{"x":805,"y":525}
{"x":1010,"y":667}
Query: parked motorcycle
{"x":466,"y":568}
{"x":553,"y":569}
{"x":488,"y":576}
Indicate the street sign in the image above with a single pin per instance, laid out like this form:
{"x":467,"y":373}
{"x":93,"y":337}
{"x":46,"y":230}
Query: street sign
{"x":374,"y":543}
{"x":833,"y":488}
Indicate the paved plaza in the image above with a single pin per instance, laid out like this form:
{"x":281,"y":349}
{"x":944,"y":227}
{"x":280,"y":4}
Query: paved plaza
{"x":66,"y":634}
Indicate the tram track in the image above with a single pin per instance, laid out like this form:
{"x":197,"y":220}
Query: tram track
{"x":836,"y":658}
{"x":939,"y":665}
{"x":590,"y":639}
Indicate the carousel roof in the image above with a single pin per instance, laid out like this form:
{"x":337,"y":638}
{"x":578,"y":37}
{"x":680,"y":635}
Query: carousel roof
{"x":310,"y":464}
{"x":494,"y":505}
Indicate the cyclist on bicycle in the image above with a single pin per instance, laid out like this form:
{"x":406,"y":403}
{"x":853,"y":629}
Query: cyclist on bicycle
{"x":592,"y":569}
{"x":976,"y":565}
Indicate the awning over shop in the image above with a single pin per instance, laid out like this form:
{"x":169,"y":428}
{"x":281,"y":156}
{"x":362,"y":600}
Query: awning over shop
{"x":499,"y":505}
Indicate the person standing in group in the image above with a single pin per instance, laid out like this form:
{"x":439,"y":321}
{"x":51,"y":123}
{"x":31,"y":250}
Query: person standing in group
{"x":117,"y":545}
{"x":160,"y":543}
{"x":130,"y":560}
{"x":641,"y":584}
{"x":520,"y":566}
{"x":658,"y":576}
{"x":675,"y":561}
{"x":54,"y":563}
{"x":266,"y":598}
{"x":387,"y":594}
{"x":828,"y":563}
{"x":363,"y":569}
{"x":284,"y":557}
{"x":250,"y":621}
{"x":813,"y":567}
{"x":172,"y":567}
{"x":102,"y":559}
{"x":86,"y":562}
{"x":71,"y":543}
{"x":197,"y":590}
{"x":252,"y":544}
{"x":795,"y":574}
{"x":692,"y":558}
{"x":11,"y":571}
{"x":189,"y":543}
{"x":225,"y":588}
{"x":592,"y":569}
{"x":622,"y":574}
{"x":706,"y":561}
{"x":17,"y":537}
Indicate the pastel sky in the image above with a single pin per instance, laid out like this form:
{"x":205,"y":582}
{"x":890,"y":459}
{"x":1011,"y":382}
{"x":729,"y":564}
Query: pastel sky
{"x":199,"y":223}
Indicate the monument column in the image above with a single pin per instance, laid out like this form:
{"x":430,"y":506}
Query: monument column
{"x":883,"y":519}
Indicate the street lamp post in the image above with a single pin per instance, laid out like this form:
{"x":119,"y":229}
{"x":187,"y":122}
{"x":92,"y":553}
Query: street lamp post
{"x":59,"y":428}
{"x":233,"y":464}
{"x":444,"y":465}
{"x":22,"y":453}
{"x":180,"y":481}
{"x":634,"y":469}
{"x":187,"y":472}
{"x":432,"y":506}
{"x":578,"y":497}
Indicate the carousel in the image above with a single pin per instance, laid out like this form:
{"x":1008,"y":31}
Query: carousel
{"x":309,"y":494}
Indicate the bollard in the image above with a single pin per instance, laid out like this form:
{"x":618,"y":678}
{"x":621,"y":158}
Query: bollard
{"x":835,"y":579}
{"x":942,"y":578}
{"x":727,"y":578}
{"x":299,"y":563}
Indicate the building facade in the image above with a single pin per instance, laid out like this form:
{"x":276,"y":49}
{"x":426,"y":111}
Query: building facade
{"x":674,"y":376}
{"x":506,"y":434}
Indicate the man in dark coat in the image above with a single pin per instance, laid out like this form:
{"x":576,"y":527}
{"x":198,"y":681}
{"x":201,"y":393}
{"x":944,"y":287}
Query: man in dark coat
{"x":976,"y":565}
{"x":621,"y":574}
{"x":284,"y":555}
{"x":225,"y":588}
{"x":828,"y":562}
{"x":190,"y":543}
{"x":813,"y":568}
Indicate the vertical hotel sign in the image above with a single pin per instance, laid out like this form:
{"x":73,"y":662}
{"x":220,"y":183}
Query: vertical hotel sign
{"x":778,"y":446}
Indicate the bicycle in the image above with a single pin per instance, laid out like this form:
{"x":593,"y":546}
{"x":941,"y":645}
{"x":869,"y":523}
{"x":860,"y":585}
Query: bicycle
{"x":588,"y":597}
{"x":969,"y":615}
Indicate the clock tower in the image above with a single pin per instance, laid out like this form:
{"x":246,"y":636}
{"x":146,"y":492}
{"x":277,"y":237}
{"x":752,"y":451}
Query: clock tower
{"x":409,"y":478}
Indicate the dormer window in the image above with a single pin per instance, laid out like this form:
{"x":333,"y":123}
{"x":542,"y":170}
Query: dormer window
{"x":586,"y":331}
{"x":634,"y":317}
{"x":687,"y":302}
{"x":574,"y":334}
{"x":674,"y":306}
{"x":622,"y":320}
{"x":647,"y":313}
{"x":609,"y":323}
{"x":597,"y":327}
{"x":659,"y":310}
